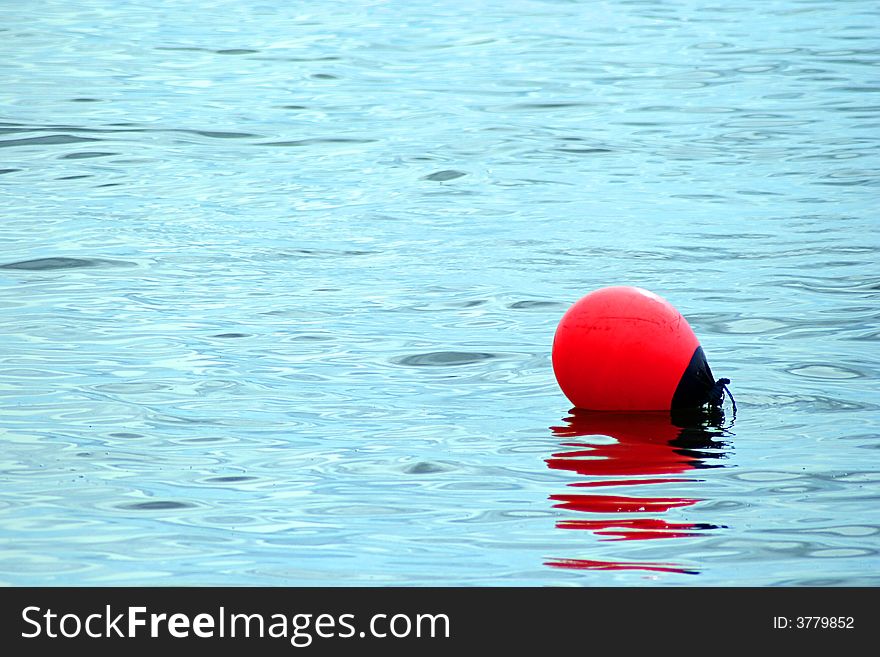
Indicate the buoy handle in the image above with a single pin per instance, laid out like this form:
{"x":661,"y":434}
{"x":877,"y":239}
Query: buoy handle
{"x":716,"y":396}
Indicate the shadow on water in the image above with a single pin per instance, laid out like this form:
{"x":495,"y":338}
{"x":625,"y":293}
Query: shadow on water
{"x":611,"y":451}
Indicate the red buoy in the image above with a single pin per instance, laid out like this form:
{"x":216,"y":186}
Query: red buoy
{"x":627,"y":349}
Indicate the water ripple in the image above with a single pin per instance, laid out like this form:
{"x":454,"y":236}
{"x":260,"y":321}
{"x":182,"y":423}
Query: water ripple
{"x":443,"y":358}
{"x":49,"y":264}
{"x":442,"y":176}
{"x":49,"y":140}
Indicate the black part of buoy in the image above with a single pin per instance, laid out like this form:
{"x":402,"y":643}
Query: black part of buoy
{"x":696,"y":385}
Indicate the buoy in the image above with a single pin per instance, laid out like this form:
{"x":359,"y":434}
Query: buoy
{"x":627,"y":349}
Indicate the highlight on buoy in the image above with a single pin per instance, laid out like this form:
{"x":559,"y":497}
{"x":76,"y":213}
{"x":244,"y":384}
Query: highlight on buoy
{"x":627,"y":349}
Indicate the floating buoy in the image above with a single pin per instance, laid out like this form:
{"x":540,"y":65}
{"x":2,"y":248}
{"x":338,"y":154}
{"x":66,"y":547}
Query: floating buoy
{"x":627,"y":349}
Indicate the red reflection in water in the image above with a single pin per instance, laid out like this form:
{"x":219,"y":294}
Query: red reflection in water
{"x":618,"y":504}
{"x":629,"y":449}
{"x":647,"y":528}
{"x":586,"y":564}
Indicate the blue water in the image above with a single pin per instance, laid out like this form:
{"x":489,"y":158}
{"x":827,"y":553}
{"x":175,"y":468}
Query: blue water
{"x":281,"y":281}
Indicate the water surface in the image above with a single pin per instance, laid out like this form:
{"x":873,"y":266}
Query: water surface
{"x":278,"y":285}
